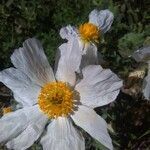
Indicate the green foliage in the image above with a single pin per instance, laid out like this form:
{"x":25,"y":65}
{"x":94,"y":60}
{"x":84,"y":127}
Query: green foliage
{"x":129,"y":43}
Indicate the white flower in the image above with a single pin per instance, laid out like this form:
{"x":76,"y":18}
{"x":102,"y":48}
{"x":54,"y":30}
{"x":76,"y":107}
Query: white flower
{"x":55,"y":100}
{"x":88,"y":34}
{"x":143,"y":55}
{"x":99,"y":19}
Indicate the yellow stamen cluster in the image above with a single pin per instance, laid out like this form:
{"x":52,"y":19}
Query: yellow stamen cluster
{"x":7,"y":110}
{"x":89,"y":32}
{"x":56,"y":99}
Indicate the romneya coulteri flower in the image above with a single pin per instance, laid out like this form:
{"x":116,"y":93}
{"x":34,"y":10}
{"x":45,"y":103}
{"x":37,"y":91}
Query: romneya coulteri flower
{"x":88,"y":35}
{"x":52,"y":102}
{"x":143,"y":55}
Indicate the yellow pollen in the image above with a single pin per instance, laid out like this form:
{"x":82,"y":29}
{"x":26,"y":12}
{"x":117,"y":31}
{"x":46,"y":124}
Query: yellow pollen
{"x":56,"y":99}
{"x":89,"y":32}
{"x":7,"y":110}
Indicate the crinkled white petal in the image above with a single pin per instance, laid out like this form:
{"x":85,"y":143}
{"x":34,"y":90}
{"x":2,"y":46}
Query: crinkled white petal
{"x":98,"y":87}
{"x":31,"y":60}
{"x":69,"y":62}
{"x":142,"y":54}
{"x":89,"y":56}
{"x":25,"y":91}
{"x":93,"y":124}
{"x":62,"y":135}
{"x":68,"y":32}
{"x":103,"y":19}
{"x":13,"y":124}
{"x":21,"y":102}
{"x":146,"y":87}
{"x":57,"y":57}
{"x":32,"y":132}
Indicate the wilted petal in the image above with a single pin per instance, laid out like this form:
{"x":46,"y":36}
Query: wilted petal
{"x":12,"y":124}
{"x":142,"y":54}
{"x":98,"y":87}
{"x":103,"y":19}
{"x":146,"y":87}
{"x":31,"y":60}
{"x":93,"y":124}
{"x":62,"y":135}
{"x":69,"y":62}
{"x":68,"y":32}
{"x":30,"y":134}
{"x":25,"y":91}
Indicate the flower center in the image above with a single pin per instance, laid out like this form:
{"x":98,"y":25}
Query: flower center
{"x":56,"y":99}
{"x":89,"y":32}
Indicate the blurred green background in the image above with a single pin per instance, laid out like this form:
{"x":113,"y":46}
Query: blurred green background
{"x":21,"y":19}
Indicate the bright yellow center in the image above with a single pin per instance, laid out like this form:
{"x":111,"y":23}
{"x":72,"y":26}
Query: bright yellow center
{"x":56,"y":99}
{"x":7,"y":110}
{"x":89,"y":32}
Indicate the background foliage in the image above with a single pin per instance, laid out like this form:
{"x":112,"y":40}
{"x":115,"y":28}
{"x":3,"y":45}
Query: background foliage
{"x":21,"y":19}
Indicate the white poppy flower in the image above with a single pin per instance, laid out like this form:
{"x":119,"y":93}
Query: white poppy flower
{"x":55,"y":100}
{"x":88,"y":34}
{"x":143,"y":55}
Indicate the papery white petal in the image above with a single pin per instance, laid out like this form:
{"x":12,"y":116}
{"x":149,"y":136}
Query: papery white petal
{"x":89,"y":56}
{"x":31,"y":60}
{"x":21,"y":102}
{"x":25,"y":91}
{"x":12,"y":124}
{"x":103,"y":19}
{"x":142,"y":54}
{"x":146,"y":87}
{"x":98,"y":87}
{"x":62,"y":135}
{"x":32,"y":132}
{"x":69,"y":61}
{"x":93,"y":124}
{"x":68,"y":32}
